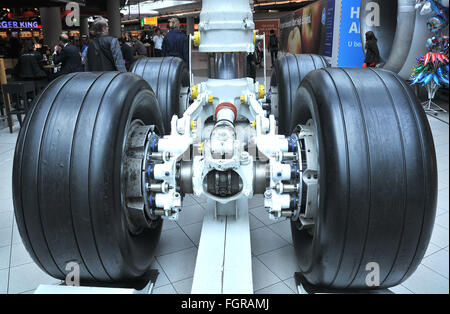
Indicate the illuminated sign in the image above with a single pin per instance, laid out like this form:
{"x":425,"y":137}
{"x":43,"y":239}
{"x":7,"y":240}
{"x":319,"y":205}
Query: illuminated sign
{"x":149,"y":21}
{"x":20,"y":24}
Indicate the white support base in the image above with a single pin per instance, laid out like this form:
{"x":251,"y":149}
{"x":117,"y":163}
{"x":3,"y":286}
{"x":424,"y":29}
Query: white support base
{"x":224,"y":262}
{"x":60,"y":289}
{"x":63,"y":289}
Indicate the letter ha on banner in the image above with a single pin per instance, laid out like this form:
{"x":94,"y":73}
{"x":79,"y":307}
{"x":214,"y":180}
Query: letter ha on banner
{"x":351,"y":50}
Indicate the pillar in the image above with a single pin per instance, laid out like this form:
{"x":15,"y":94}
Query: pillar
{"x":190,"y":25}
{"x":51,"y":25}
{"x":84,"y":25}
{"x":113,"y":9}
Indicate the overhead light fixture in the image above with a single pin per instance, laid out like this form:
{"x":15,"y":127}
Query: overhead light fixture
{"x":278,"y":2}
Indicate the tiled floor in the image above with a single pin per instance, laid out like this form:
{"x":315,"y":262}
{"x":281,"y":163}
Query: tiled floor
{"x":272,"y":251}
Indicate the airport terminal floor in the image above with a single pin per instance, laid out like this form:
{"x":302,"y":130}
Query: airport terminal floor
{"x":225,"y":153}
{"x":273,"y":255}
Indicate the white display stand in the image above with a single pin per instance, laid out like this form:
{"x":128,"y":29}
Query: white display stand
{"x":63,"y":289}
{"x":224,"y":261}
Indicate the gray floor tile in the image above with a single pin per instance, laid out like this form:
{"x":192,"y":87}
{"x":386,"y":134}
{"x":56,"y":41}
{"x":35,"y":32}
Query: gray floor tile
{"x":19,"y":255}
{"x":15,"y":234}
{"x":190,"y":215}
{"x":443,"y":180}
{"x":400,"y":290}
{"x":4,"y":273}
{"x":432,"y":248}
{"x":264,"y":240}
{"x":442,"y":150}
{"x":443,"y":199}
{"x":162,"y":279}
{"x":283,"y":229}
{"x":167,"y":289}
{"x":189,"y":201}
{"x":183,"y":286}
{"x":262,"y":276}
{"x":442,"y":164}
{"x":5,"y":254}
{"x":194,"y":232}
{"x":438,"y":262}
{"x":169,"y":224}
{"x":256,"y":201}
{"x":172,"y":241}
{"x":200,"y":200}
{"x":442,"y":220}
{"x":6,"y":219}
{"x":179,"y":265}
{"x":28,"y":277}
{"x":5,"y":237}
{"x":6,"y":191}
{"x":255,"y":223}
{"x":440,"y":139}
{"x":290,"y":282}
{"x":426,"y":281}
{"x":262,"y":215}
{"x":7,"y":148}
{"x":279,"y":288}
{"x":440,"y":236}
{"x":282,"y":262}
{"x":440,"y":211}
{"x":6,"y":205}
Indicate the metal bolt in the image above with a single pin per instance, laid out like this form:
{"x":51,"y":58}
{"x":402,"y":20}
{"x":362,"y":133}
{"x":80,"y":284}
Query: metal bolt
{"x":268,"y":194}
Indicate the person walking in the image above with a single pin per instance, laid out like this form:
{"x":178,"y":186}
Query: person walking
{"x":273,"y":46}
{"x":175,"y":43}
{"x":68,"y":55}
{"x":373,"y":58}
{"x":104,"y":53}
{"x":158,"y":41}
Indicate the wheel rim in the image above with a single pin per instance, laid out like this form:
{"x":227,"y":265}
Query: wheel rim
{"x":305,"y":218}
{"x":133,"y":177}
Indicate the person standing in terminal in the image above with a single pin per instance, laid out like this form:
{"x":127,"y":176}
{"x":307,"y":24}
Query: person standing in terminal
{"x":127,"y":53}
{"x":273,"y":46}
{"x":104,"y":53}
{"x":175,"y":43}
{"x":372,"y":52}
{"x":30,"y":63}
{"x":83,"y":50}
{"x":68,"y":55}
{"x":139,"y":47}
{"x":158,"y":41}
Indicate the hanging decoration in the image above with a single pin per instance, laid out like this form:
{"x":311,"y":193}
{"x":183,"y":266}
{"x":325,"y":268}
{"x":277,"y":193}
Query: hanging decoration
{"x":432,"y":69}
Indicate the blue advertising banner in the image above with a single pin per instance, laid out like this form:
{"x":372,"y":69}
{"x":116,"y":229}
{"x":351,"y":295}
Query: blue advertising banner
{"x":351,"y":53}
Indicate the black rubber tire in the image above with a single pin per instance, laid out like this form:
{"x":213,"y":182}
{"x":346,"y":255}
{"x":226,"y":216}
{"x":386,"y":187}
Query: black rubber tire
{"x":377,"y":178}
{"x":166,"y":76}
{"x":290,"y":72}
{"x":67,"y":178}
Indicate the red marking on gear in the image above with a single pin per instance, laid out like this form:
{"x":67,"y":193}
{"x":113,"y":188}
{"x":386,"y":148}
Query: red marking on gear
{"x":226,"y":105}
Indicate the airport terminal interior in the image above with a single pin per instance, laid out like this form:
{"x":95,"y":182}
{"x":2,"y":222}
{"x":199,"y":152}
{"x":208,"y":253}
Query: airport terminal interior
{"x":235,"y":147}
